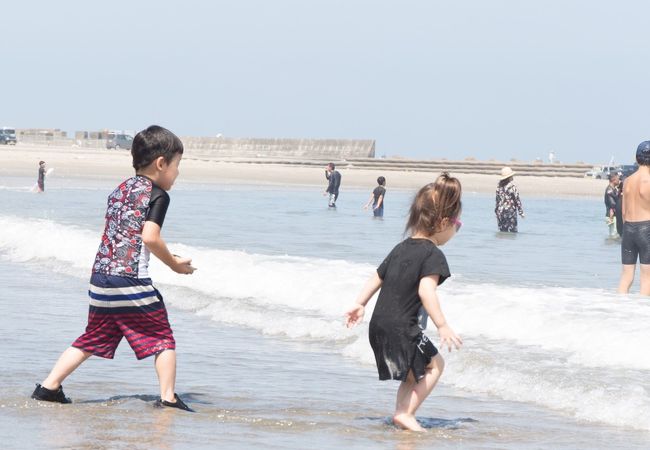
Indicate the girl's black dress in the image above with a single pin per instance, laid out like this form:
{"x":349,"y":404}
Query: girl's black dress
{"x":395,"y":336}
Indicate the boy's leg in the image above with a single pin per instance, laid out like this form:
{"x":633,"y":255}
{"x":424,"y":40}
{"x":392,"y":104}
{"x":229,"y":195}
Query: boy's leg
{"x":165,"y":362}
{"x":405,"y":410}
{"x":67,"y":363}
{"x":627,"y":277}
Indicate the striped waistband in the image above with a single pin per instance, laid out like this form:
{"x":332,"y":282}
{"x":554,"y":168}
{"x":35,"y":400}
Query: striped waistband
{"x":107,"y":291}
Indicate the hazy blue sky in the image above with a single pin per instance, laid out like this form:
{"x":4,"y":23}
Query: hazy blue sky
{"x":489,"y":79}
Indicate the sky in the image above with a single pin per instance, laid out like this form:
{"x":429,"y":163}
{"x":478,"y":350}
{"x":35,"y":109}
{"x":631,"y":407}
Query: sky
{"x":489,"y":79}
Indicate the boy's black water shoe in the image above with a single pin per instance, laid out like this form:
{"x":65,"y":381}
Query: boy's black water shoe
{"x":160,"y":403}
{"x":48,"y":395}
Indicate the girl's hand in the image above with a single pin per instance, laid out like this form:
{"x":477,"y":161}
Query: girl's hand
{"x":354,"y":315}
{"x":448,"y":337}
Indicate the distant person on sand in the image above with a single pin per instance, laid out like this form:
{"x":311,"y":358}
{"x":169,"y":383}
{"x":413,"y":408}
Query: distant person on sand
{"x":334,"y":178}
{"x":123,"y":300}
{"x":408,"y":278}
{"x":508,"y":203}
{"x":611,"y":198}
{"x":41,"y":176}
{"x":636,"y":223}
{"x":377,"y":198}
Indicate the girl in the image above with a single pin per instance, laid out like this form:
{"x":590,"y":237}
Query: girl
{"x":408,"y":279}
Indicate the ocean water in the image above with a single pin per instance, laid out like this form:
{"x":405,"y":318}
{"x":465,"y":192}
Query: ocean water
{"x":553,"y":357}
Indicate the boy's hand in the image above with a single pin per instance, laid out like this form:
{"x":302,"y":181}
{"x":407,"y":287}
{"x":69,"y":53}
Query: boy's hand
{"x":448,"y":337}
{"x":183,"y":265}
{"x":354,"y":315}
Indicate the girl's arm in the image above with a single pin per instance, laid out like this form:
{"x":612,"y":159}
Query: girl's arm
{"x":154,"y":242}
{"x":429,"y":298}
{"x":355,"y":314}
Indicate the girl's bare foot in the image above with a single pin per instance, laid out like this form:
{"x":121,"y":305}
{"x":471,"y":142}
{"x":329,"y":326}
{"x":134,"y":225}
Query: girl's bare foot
{"x":407,"y":422}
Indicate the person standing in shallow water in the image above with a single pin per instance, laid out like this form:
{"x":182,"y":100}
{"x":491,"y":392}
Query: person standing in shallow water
{"x":41,"y":176}
{"x":611,"y":198}
{"x":508,"y":203}
{"x":635,"y":245}
{"x":408,"y":278}
{"x":334,"y":178}
{"x":377,"y":198}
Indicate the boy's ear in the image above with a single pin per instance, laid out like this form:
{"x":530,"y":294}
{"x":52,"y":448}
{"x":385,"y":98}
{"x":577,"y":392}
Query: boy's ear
{"x":160,"y":163}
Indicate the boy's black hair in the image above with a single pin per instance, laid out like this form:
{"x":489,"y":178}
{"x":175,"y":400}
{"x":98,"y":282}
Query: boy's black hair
{"x":381,"y":181}
{"x":152,"y":143}
{"x":331,"y":165}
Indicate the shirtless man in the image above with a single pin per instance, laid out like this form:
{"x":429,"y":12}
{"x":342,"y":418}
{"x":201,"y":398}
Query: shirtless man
{"x":636,"y":223}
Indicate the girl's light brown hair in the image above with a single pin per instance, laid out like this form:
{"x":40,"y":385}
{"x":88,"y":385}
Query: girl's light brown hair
{"x":433,"y":203}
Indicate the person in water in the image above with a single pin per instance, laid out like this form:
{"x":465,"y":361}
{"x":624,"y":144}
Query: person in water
{"x":333,"y":177}
{"x":611,"y":198}
{"x":508,"y":203}
{"x":123,"y":300}
{"x":408,"y":279}
{"x":41,"y":176}
{"x":377,"y":198}
{"x":635,"y":245}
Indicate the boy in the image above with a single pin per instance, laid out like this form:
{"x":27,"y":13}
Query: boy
{"x":377,"y":198}
{"x":123,"y":300}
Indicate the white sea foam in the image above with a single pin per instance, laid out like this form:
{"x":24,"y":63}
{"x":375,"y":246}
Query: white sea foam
{"x":579,"y":351}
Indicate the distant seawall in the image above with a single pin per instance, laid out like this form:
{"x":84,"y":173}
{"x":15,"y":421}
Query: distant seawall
{"x":279,"y":148}
{"x":224,"y":147}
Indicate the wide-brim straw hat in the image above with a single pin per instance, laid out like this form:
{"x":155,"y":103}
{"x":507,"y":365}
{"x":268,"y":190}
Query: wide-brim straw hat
{"x":507,"y":172}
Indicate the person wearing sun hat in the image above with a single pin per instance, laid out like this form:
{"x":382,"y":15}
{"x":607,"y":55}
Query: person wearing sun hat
{"x":508,"y":203}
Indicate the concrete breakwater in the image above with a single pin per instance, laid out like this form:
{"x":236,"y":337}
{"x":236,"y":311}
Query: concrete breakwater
{"x":280,"y":148}
{"x":211,"y":147}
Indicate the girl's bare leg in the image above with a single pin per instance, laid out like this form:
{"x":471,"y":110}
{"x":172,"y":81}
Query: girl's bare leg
{"x":412,"y":398}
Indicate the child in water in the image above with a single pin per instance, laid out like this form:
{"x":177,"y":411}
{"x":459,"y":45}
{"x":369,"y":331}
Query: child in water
{"x":408,"y":279}
{"x":377,"y":198}
{"x":123,"y":299}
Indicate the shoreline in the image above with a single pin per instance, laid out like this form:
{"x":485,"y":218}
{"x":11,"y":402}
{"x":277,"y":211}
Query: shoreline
{"x":100,"y":164}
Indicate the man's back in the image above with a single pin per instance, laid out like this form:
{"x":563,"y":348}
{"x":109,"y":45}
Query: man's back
{"x":636,"y":196}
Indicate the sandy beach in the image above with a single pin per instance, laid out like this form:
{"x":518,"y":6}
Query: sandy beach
{"x":110,"y":164}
